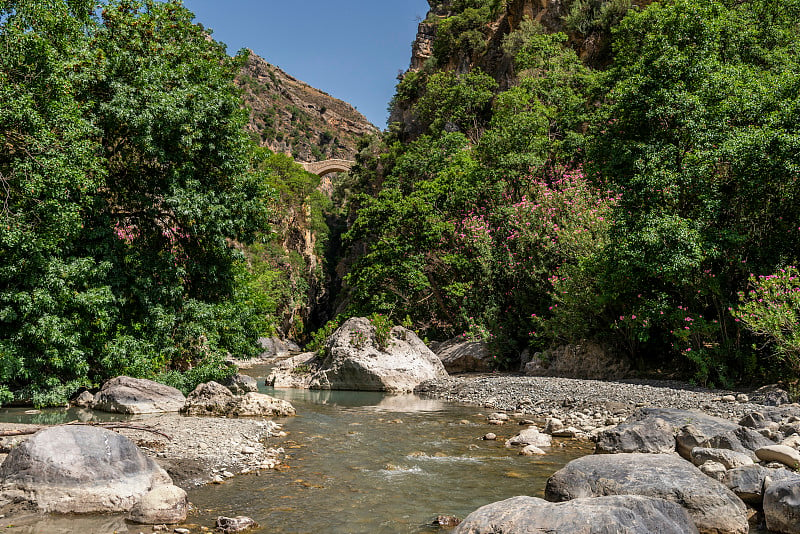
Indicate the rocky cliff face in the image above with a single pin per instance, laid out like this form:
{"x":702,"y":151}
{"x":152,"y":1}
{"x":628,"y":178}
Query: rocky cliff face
{"x":293,"y":118}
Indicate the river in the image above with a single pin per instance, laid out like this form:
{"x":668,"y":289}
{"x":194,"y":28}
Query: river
{"x":356,"y":462}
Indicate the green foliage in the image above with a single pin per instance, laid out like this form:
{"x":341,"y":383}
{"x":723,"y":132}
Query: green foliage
{"x":585,"y":16}
{"x":771,"y":309}
{"x":454,"y":102}
{"x":383,"y":329}
{"x":124,"y":166}
{"x":321,"y":335}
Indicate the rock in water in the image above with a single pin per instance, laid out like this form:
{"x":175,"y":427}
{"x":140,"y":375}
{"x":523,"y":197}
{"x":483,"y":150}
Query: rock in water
{"x":213,"y":398}
{"x":79,"y":469}
{"x":622,"y":514}
{"x":712,"y":506}
{"x":137,"y":395}
{"x":235,"y":524}
{"x":355,"y":360}
{"x":164,"y":504}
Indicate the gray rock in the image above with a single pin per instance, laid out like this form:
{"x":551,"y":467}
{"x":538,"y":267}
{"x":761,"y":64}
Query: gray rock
{"x":531,"y":450}
{"x":213,"y":398}
{"x":163,"y":504}
{"x":124,"y":394}
{"x":84,"y":400}
{"x":712,"y":469}
{"x":748,"y":482}
{"x":354,"y":360}
{"x":782,"y":507}
{"x":294,"y":372}
{"x":529,"y":436}
{"x":770,"y":395}
{"x":209,"y":398}
{"x":648,"y":434}
{"x":460,"y":356}
{"x":240,"y":384}
{"x":622,"y":514}
{"x":239,"y":523}
{"x":780,"y":453}
{"x":728,"y":458}
{"x":275,"y":347}
{"x":717,"y":436}
{"x":258,"y":404}
{"x":712,"y":506}
{"x":79,"y":469}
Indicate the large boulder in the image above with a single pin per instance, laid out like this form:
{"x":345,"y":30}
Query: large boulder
{"x":782,"y":506}
{"x":712,"y":506}
{"x":294,"y":372}
{"x":355,"y":359}
{"x":641,"y":433}
{"x":275,"y":347}
{"x":124,"y":394}
{"x":79,"y":469}
{"x":462,"y":356}
{"x":780,"y":453}
{"x":748,"y":482}
{"x":623,"y":514}
{"x":585,"y":360}
{"x":240,"y":384}
{"x":212,"y":398}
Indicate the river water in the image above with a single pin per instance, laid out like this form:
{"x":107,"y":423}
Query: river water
{"x":356,"y":462}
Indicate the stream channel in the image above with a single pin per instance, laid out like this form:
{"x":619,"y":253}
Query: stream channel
{"x":362,"y":462}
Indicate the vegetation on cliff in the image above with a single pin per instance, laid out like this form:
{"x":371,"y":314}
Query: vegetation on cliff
{"x":634,"y":202}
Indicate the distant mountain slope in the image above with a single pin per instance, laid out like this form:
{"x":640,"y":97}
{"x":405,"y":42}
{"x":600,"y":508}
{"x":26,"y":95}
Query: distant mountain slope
{"x":291,"y":117}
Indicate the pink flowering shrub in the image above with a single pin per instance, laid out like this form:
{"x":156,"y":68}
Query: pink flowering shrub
{"x":771,"y":308}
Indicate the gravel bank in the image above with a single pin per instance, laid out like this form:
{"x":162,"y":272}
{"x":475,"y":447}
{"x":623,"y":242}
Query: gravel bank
{"x":551,"y":396}
{"x":201,"y":449}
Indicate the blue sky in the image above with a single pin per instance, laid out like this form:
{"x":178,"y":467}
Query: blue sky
{"x":351,"y":49}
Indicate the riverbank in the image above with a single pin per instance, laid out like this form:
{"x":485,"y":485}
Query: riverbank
{"x":195,"y":450}
{"x":583,"y":402}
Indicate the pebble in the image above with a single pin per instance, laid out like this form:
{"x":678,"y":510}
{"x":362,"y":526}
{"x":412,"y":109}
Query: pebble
{"x":182,"y":531}
{"x":490,"y":436}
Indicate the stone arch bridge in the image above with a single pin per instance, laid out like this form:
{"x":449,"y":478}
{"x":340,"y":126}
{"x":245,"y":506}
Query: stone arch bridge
{"x":321,"y":168}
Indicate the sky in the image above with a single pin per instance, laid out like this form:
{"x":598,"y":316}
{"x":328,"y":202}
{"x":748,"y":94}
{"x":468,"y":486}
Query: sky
{"x":351,"y":49}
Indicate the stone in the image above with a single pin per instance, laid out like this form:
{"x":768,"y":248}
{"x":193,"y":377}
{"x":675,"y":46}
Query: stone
{"x":531,"y":450}
{"x":461,"y":356}
{"x":209,"y":398}
{"x":240,"y":384}
{"x":163,"y":504}
{"x":792,"y":441}
{"x":748,"y":481}
{"x":448,"y":521}
{"x":182,"y":531}
{"x":642,"y":433}
{"x":553,"y":425}
{"x":79,"y":469}
{"x":741,"y":397}
{"x":84,"y":400}
{"x":355,"y":360}
{"x":124,"y":394}
{"x":728,"y":398}
{"x":770,"y":395}
{"x":235,"y":524}
{"x":294,"y":372}
{"x":754,"y":420}
{"x":620,"y":514}
{"x":782,"y":507}
{"x":779,"y":453}
{"x":586,"y":360}
{"x":712,"y":469}
{"x":490,"y":436}
{"x":712,"y":506}
{"x":729,"y":459}
{"x":212,"y":398}
{"x":275,"y":347}
{"x":259,"y":404}
{"x":498,"y":416}
{"x":529,"y":436}
{"x":717,"y":436}
{"x":569,"y":432}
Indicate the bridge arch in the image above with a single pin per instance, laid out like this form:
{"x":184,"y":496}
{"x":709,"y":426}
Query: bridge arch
{"x":321,"y":168}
